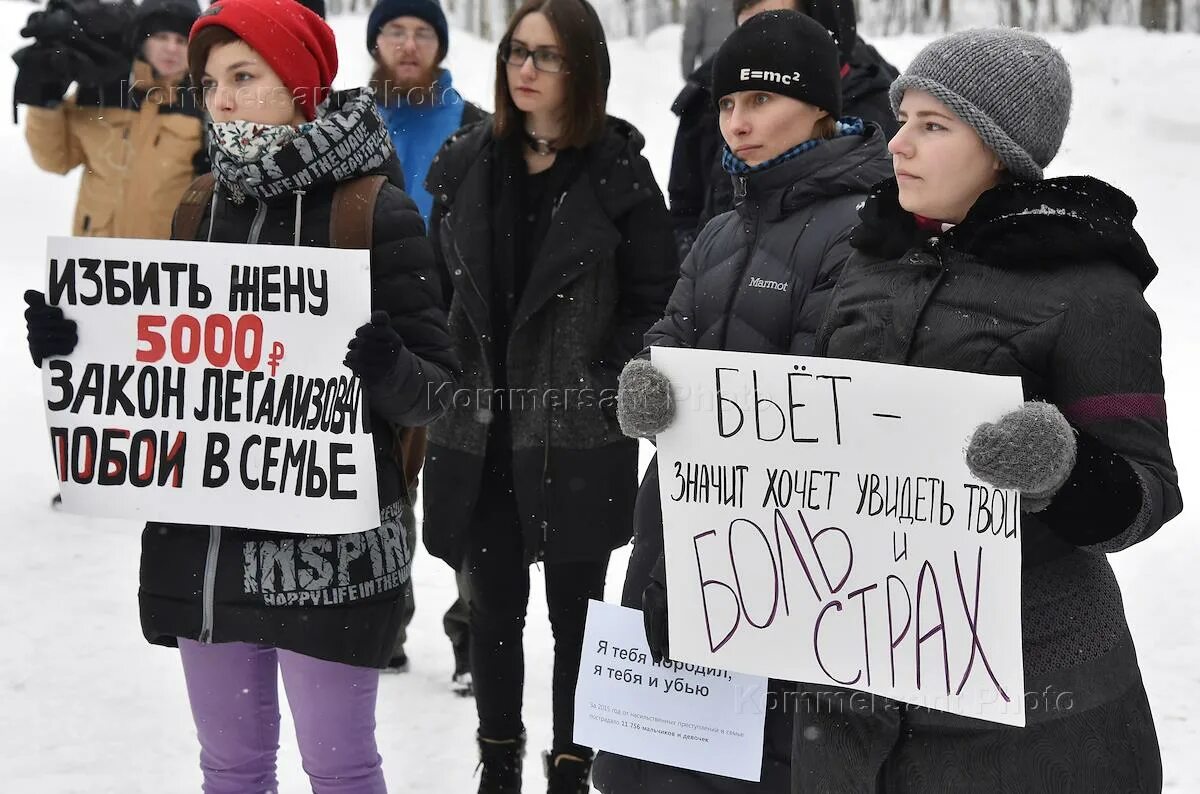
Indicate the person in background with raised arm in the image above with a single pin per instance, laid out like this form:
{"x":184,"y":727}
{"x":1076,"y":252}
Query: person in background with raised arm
{"x":138,"y":135}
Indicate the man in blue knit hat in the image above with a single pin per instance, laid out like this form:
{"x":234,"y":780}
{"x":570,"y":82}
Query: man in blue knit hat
{"x":408,"y":40}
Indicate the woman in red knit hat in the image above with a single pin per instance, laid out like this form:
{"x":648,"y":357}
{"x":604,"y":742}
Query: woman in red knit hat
{"x":246,"y":606}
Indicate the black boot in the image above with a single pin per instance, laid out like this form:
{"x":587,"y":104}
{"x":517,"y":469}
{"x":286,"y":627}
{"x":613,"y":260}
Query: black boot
{"x":500,"y":761}
{"x":566,"y":773}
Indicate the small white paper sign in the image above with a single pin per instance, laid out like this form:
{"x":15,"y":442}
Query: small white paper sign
{"x":702,"y":719}
{"x":208,"y":385}
{"x":821,"y":525}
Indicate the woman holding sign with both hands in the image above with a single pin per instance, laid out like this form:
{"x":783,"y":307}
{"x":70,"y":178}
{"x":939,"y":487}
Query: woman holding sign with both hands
{"x":266,"y":74}
{"x":757,"y":280}
{"x":970,"y":260}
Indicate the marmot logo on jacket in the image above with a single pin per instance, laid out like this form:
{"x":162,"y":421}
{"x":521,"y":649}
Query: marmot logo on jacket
{"x":762,"y":283}
{"x":329,"y":569}
{"x":770,"y":77}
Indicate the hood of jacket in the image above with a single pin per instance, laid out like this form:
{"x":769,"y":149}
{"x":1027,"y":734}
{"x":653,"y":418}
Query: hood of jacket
{"x":1021,"y":225}
{"x":696,"y":95}
{"x":869,"y":74}
{"x":839,"y":18}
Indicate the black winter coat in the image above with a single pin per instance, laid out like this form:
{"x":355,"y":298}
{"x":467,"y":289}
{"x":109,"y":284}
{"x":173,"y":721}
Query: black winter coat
{"x":1042,"y":280}
{"x":757,"y":280}
{"x":758,"y":277}
{"x":865,"y":88}
{"x":698,"y":187}
{"x":333,"y":597}
{"x":600,"y":279}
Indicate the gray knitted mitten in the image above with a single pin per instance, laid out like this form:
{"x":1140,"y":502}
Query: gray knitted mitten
{"x":645,"y":406}
{"x":1031,"y":450}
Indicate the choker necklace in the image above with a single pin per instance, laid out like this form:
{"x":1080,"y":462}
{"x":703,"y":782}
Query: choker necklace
{"x":539,"y":145}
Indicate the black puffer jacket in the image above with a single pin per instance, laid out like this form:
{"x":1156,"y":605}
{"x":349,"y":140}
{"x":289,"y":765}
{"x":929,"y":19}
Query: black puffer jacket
{"x":758,"y":277}
{"x":1042,"y":280}
{"x":600,"y":279}
{"x":332,"y":597}
{"x":758,"y":280}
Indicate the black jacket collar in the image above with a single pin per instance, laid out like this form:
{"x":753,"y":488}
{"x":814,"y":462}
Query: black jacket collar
{"x":1020,"y":224}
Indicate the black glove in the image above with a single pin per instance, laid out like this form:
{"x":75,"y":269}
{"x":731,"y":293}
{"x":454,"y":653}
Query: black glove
{"x":56,"y":23}
{"x":654,"y":617}
{"x":43,"y":76}
{"x":88,"y":40}
{"x":50,"y":333}
{"x":374,"y":349}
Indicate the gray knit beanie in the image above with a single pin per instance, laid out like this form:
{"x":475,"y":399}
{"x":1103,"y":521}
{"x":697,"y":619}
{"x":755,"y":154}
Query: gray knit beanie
{"x":1011,"y":86}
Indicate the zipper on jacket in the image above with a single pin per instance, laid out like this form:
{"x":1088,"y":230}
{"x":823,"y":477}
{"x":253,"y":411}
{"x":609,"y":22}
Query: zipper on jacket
{"x":462,"y":265}
{"x":541,"y":554}
{"x":296,"y":223}
{"x":210,"y":583}
{"x":260,"y":216}
{"x":753,"y":231}
{"x":545,"y":493}
{"x":739,"y":188}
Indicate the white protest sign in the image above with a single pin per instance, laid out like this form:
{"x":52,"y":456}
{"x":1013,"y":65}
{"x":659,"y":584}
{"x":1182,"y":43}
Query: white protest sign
{"x":208,"y":384}
{"x":821,"y":526}
{"x":703,"y":719}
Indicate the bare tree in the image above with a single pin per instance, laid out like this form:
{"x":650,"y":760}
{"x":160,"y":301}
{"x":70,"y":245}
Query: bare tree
{"x":1154,"y":14}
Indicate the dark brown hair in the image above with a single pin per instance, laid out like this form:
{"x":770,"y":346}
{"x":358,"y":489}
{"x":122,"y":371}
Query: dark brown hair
{"x":200,"y":45}
{"x":585,"y":52}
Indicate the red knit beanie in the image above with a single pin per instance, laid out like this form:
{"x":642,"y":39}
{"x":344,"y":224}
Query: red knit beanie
{"x":297,"y":44}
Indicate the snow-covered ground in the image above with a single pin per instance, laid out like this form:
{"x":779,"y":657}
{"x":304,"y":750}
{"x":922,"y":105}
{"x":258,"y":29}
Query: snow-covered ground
{"x":87,"y":706}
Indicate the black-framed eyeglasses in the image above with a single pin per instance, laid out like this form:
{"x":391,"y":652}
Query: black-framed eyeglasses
{"x":544,"y":60}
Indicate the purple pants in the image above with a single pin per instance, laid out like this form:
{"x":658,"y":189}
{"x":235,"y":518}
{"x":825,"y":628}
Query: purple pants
{"x":235,"y":702}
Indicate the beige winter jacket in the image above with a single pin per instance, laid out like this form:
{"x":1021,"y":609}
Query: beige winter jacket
{"x":137,"y":157}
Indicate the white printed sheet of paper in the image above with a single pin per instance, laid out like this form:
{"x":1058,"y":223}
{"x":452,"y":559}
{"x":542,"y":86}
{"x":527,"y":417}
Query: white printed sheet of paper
{"x":704,"y":719}
{"x":208,"y":385}
{"x":821,"y":525}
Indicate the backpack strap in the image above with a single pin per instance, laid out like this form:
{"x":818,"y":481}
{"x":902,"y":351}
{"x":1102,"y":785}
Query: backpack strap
{"x":351,"y":225}
{"x":408,"y":450}
{"x":191,"y":207}
{"x":352,"y":217}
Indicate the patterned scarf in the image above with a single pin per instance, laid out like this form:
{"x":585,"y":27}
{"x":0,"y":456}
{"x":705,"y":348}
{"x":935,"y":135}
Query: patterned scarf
{"x":737,"y":166}
{"x":348,"y":139}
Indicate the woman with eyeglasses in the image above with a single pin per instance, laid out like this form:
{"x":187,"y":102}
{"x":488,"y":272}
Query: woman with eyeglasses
{"x":557,"y":254}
